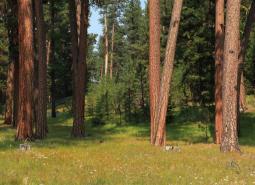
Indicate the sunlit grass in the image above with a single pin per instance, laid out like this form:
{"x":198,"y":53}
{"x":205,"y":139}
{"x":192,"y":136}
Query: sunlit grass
{"x":122,"y":155}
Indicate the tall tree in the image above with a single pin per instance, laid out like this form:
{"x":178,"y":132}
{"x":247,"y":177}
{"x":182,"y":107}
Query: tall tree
{"x":106,"y":42}
{"x":230,"y":68}
{"x":41,"y":115}
{"x":79,"y":48}
{"x":154,"y":66}
{"x":24,"y":124}
{"x":219,"y":50}
{"x":162,"y":101}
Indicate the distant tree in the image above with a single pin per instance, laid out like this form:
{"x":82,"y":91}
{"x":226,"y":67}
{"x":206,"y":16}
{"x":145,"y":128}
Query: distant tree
{"x":24,"y":124}
{"x":229,"y":141}
{"x":219,"y":50}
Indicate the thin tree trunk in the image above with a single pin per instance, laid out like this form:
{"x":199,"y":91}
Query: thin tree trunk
{"x":243,"y":48}
{"x":162,"y":102}
{"x":106,"y":60}
{"x":112,"y":51}
{"x":41,"y":115}
{"x":24,"y":127}
{"x":52,"y":61}
{"x":8,"y":116}
{"x":230,"y":67}
{"x":154,"y":67}
{"x":219,"y":52}
{"x":13,"y":36}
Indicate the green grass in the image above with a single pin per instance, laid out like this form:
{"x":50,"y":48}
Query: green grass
{"x":121,"y":155}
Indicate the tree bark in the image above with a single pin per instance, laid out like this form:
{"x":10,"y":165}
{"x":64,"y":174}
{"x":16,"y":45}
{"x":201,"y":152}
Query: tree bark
{"x":106,"y":60}
{"x":219,"y":54}
{"x":243,"y":48}
{"x":229,"y":141}
{"x":52,"y":61}
{"x":79,"y":48}
{"x":24,"y":127}
{"x":8,"y":116}
{"x":162,"y":102}
{"x":112,"y":51}
{"x":41,"y":115}
{"x":154,"y":66}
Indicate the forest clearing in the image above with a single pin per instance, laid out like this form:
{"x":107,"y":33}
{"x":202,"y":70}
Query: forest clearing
{"x":146,"y":92}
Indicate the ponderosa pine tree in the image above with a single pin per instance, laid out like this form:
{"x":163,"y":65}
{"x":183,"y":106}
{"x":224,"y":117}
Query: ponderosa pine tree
{"x":25,"y":117}
{"x":165,"y":86}
{"x":41,"y":115}
{"x":154,"y":58}
{"x":79,"y":47}
{"x":229,"y":141}
{"x":219,"y":50}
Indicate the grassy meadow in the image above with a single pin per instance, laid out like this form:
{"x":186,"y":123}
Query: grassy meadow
{"x":114,"y":154}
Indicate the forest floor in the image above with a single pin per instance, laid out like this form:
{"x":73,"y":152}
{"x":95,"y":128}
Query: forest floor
{"x":115,"y":154}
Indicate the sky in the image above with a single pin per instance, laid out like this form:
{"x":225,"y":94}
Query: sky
{"x":95,"y":26}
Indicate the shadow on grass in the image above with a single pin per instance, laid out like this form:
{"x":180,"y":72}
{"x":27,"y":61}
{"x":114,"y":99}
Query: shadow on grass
{"x":190,"y":130}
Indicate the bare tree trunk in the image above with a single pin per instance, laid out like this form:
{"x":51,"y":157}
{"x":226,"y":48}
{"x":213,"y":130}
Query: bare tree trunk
{"x":52,"y":61}
{"x":8,"y":116}
{"x":219,"y":52}
{"x":24,"y":127}
{"x":112,"y":51}
{"x":79,"y":48}
{"x":154,"y":67}
{"x":230,"y":67}
{"x":41,"y":115}
{"x":243,"y":48}
{"x":106,"y":60}
{"x":13,"y":70}
{"x":162,"y":102}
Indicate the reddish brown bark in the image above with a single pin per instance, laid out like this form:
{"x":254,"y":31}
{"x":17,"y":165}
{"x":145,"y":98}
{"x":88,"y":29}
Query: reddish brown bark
{"x":79,"y":47}
{"x":162,"y":102}
{"x":24,"y":127}
{"x":8,"y":116}
{"x":219,"y":50}
{"x":154,"y":66}
{"x":230,"y":67}
{"x":41,"y":115}
{"x":112,"y":50}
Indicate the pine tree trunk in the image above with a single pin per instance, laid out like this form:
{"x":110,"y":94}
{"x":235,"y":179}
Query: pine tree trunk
{"x":219,"y":52}
{"x":79,"y":48}
{"x":106,"y":60}
{"x":230,"y":67}
{"x":24,"y":127}
{"x":243,"y":48}
{"x":52,"y":61}
{"x":8,"y":116}
{"x":154,"y":66}
{"x":12,"y":26}
{"x":162,"y":102}
{"x":41,"y":115}
{"x":112,"y":51}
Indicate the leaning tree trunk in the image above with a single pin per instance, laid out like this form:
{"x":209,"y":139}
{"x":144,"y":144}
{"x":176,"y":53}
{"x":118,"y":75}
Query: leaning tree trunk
{"x":41,"y":115}
{"x":243,"y":48}
{"x":25,"y":117}
{"x":8,"y":116}
{"x":79,"y":47}
{"x":162,"y":102}
{"x":219,"y":50}
{"x":154,"y":67}
{"x":230,"y":67}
